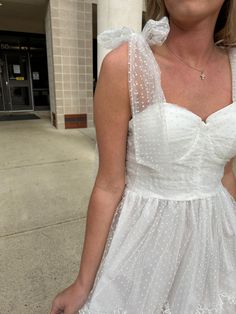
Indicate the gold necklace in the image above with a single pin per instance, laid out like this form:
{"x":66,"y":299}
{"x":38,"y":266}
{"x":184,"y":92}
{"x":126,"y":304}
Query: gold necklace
{"x":202,"y":75}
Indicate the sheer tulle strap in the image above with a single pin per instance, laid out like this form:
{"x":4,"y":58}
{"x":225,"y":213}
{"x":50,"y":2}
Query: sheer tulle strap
{"x":144,"y":90}
{"x":146,"y":96}
{"x":154,"y":32}
{"x":232,"y":55}
{"x":113,"y":37}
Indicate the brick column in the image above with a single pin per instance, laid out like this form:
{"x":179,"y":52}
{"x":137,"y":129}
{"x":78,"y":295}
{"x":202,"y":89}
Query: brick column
{"x":68,"y":27}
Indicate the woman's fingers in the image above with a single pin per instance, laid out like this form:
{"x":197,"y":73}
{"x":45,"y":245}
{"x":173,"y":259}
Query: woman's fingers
{"x":68,"y":310}
{"x":69,"y":301}
{"x":56,"y":309}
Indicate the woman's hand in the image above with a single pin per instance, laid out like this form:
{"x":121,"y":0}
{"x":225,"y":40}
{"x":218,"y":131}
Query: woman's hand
{"x":70,"y":300}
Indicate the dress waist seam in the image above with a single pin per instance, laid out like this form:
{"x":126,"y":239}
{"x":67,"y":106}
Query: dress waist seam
{"x":185,"y":197}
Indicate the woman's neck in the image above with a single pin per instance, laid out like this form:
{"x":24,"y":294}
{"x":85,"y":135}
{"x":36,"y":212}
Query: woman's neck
{"x":192,"y":43}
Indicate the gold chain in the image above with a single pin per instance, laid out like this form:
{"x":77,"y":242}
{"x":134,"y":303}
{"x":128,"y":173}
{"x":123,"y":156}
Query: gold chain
{"x":202,"y":75}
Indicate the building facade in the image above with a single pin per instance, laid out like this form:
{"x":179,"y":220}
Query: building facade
{"x":49,"y":54}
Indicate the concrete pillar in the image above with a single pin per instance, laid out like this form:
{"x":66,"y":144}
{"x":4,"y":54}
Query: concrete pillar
{"x":113,"y":13}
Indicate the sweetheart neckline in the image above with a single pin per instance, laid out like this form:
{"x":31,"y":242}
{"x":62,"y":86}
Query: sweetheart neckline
{"x":164,"y":100}
{"x":196,"y":115}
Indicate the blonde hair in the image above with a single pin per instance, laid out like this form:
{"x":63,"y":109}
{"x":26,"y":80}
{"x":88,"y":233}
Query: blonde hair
{"x":225,"y":28}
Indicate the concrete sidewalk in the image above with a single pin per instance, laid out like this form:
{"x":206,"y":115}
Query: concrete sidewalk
{"x":46,"y":180}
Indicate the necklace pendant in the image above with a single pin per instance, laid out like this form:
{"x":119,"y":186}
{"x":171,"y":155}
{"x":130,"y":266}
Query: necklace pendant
{"x":202,"y":76}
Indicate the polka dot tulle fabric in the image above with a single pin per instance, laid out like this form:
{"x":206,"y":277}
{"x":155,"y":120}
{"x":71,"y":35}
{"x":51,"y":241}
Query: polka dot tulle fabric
{"x":171,"y":248}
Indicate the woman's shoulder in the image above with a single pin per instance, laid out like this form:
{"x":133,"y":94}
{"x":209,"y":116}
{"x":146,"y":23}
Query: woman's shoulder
{"x":116,"y":60}
{"x":117,"y":54}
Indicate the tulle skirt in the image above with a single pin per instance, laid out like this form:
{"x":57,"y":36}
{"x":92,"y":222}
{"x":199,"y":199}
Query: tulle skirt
{"x":168,"y":257}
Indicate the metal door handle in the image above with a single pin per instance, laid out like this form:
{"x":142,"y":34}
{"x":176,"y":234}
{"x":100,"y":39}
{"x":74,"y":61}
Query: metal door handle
{"x":7,"y":83}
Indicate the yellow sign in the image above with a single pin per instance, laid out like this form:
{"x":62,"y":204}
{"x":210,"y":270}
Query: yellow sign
{"x":20,"y":78}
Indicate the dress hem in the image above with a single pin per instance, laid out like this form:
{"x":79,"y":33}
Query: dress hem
{"x":201,"y":309}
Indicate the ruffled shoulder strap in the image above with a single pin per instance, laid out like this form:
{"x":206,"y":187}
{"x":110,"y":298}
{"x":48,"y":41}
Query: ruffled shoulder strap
{"x":145,"y":89}
{"x":232,"y":56}
{"x":154,"y":32}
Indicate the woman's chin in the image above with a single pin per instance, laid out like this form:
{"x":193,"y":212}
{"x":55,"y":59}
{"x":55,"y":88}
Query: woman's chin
{"x":192,"y":11}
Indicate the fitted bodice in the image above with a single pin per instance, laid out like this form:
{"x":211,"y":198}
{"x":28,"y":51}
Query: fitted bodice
{"x":201,"y":150}
{"x":171,"y":152}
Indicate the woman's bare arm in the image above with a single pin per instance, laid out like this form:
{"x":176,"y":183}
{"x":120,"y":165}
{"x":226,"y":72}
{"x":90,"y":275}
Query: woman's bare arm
{"x":111,"y":116}
{"x":229,"y":180}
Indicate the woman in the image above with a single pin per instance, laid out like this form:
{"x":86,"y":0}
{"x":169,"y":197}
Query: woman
{"x":161,"y":226}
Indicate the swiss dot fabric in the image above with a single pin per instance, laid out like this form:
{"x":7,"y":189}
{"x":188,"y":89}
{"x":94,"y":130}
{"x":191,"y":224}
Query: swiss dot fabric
{"x":171,"y":248}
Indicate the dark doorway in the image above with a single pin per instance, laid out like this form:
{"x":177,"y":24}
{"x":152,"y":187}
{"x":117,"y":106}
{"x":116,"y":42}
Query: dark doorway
{"x":38,"y":64}
{"x":23,"y":72}
{"x":15,"y":82}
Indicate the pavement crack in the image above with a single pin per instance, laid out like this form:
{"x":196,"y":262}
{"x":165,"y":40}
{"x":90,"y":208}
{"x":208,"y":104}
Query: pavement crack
{"x":42,"y":227}
{"x":39,"y":164}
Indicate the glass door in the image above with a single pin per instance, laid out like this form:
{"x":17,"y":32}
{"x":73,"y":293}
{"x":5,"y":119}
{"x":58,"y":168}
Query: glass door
{"x":18,"y":81}
{"x":16,"y":88}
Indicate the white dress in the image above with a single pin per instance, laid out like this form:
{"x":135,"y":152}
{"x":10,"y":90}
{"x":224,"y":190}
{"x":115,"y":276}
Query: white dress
{"x":172,"y":243}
